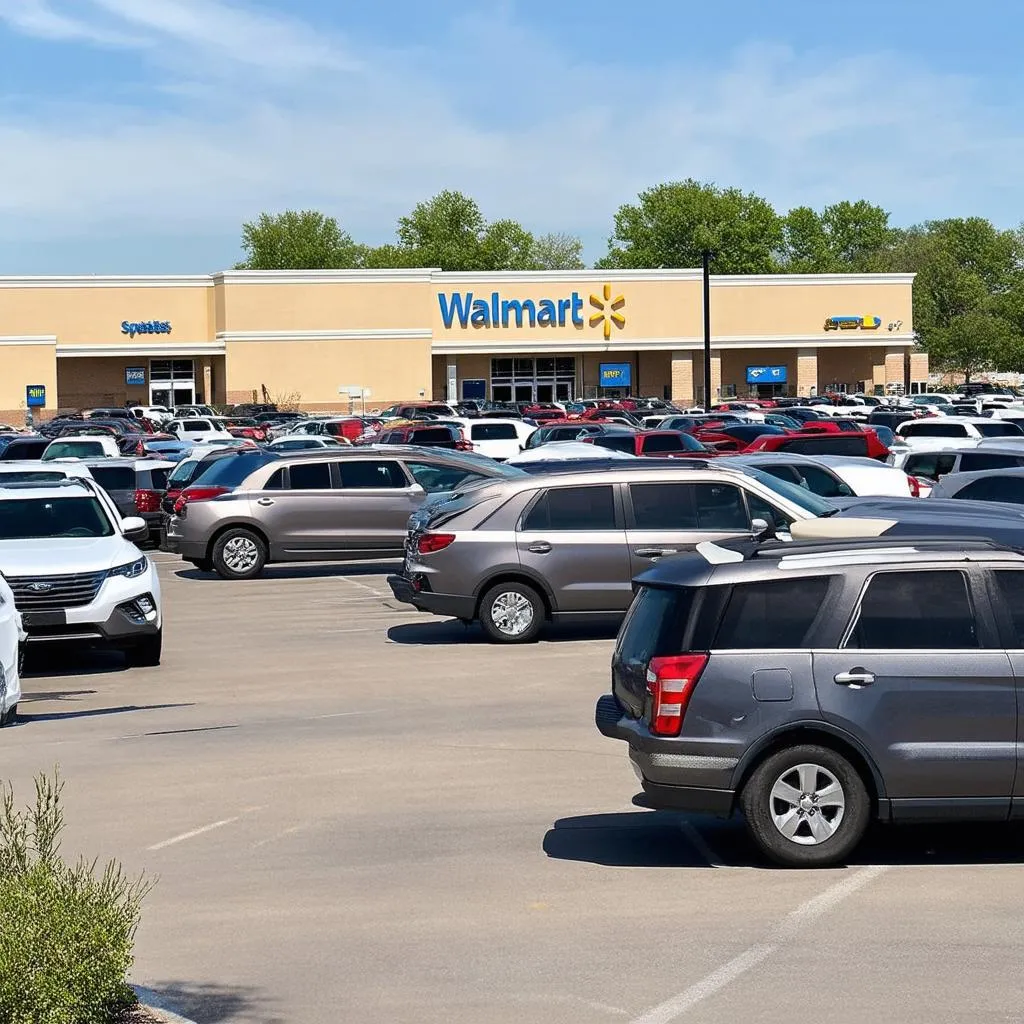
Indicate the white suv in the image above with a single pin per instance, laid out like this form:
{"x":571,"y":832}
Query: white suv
{"x":74,"y":571}
{"x":12,"y":637}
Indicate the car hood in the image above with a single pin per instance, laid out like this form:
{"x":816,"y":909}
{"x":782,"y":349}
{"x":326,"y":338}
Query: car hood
{"x":59,"y":555}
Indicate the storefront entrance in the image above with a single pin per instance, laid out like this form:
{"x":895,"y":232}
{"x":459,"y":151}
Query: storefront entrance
{"x":172,"y":382}
{"x":525,"y":379}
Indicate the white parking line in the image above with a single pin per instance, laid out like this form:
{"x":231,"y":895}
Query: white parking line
{"x":362,"y":586}
{"x":191,"y":835}
{"x":674,"y":1008}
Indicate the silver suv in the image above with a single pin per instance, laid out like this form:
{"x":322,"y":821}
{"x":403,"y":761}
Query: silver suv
{"x":254,"y":507}
{"x":518,"y":552}
{"x":815,"y":687}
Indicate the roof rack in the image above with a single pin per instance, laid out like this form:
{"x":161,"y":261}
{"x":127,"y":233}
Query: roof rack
{"x":35,"y":485}
{"x":777,"y":549}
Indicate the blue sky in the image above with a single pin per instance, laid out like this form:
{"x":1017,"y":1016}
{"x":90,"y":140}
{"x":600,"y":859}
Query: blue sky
{"x":137,"y":135}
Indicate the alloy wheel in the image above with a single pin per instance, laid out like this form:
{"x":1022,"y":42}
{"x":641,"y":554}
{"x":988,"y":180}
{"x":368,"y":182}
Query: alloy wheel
{"x":512,"y":613}
{"x":807,"y":804}
{"x":240,"y":554}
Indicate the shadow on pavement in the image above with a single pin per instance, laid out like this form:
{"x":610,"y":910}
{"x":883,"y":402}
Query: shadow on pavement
{"x":72,"y":661}
{"x":453,"y":631}
{"x":210,"y":1003}
{"x":29,"y":697}
{"x":661,"y":839}
{"x":60,"y":716}
{"x":300,"y":571}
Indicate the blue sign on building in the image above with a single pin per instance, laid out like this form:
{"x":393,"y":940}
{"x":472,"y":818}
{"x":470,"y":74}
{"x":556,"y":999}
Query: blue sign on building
{"x":35,"y":396}
{"x":766,"y":375}
{"x":615,"y":375}
{"x":134,"y":375}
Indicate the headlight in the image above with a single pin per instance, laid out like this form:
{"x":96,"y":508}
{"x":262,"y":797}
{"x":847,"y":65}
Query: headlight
{"x":130,"y":569}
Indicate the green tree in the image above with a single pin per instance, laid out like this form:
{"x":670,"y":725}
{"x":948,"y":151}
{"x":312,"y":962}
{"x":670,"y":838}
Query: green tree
{"x":297,"y":240}
{"x":445,"y":231}
{"x":506,"y":245}
{"x":845,"y":237}
{"x":557,"y":251}
{"x":672,"y":224}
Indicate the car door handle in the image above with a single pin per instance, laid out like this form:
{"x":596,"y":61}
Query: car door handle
{"x":855,"y":677}
{"x":539,"y":547}
{"x":265,"y":501}
{"x":654,"y":552}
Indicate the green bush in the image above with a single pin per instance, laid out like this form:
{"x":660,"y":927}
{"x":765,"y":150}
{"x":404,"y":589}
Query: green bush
{"x":66,"y":931}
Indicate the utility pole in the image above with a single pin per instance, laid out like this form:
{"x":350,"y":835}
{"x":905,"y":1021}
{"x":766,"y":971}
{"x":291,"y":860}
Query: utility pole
{"x":706,"y":259}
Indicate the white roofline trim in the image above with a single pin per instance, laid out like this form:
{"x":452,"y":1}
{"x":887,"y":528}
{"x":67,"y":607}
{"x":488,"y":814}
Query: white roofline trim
{"x":513,"y":277}
{"x":739,"y":280}
{"x":422,"y":275}
{"x":108,"y":281}
{"x":365,"y":333}
{"x":202,"y":348}
{"x":28,"y":339}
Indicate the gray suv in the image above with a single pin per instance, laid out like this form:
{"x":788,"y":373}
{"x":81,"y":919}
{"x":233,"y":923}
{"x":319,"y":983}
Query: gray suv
{"x":817,"y":686}
{"x":566,"y":544}
{"x":254,"y":507}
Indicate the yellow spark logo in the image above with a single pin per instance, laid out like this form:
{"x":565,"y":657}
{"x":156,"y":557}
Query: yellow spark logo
{"x":609,"y":311}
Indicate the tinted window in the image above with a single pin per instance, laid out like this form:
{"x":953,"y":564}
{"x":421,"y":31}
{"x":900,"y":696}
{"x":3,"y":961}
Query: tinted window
{"x":930,"y":464}
{"x":31,"y":476}
{"x":994,"y":488}
{"x":24,"y":450}
{"x":433,"y":435}
{"x":999,"y":428}
{"x":157,"y":479}
{"x":800,"y":496}
{"x":563,"y":434}
{"x":787,"y":473}
{"x":276,"y":481}
{"x":434,"y":479}
{"x":74,"y":450}
{"x":231,"y":470}
{"x":825,"y":444}
{"x":915,"y":610}
{"x":1011,"y":584}
{"x":751,"y":432}
{"x":114,"y":478}
{"x":493,"y":432}
{"x":195,"y":426}
{"x":934,"y":430}
{"x":53,"y":517}
{"x":656,"y":624}
{"x":669,"y":443}
{"x":616,"y":442}
{"x":822,"y":482}
{"x":970,"y":462}
{"x":310,"y":476}
{"x":720,"y":507}
{"x":663,"y":506}
{"x":362,"y":474}
{"x":573,"y":508}
{"x":771,"y":614}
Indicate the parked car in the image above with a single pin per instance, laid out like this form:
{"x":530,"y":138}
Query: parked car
{"x":565,"y":430}
{"x":671,"y":444}
{"x":862,"y":445}
{"x":75,"y":572}
{"x":18,"y":447}
{"x":497,"y":439}
{"x":426,"y":434}
{"x":255,"y":508}
{"x":171,"y":451}
{"x":516,"y":553}
{"x":93,"y":447}
{"x":956,"y":428}
{"x":832,"y":476}
{"x":565,"y":451}
{"x":735,"y":437}
{"x":242,"y":426}
{"x":1006,"y":485}
{"x":136,"y":487}
{"x":156,"y":413}
{"x":937,"y":462}
{"x":418,"y":410}
{"x":306,"y":442}
{"x":188,"y":471}
{"x":196,"y":429}
{"x":724,"y":707}
{"x":189,"y":411}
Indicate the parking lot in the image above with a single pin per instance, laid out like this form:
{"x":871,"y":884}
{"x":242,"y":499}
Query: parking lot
{"x":356,"y":812}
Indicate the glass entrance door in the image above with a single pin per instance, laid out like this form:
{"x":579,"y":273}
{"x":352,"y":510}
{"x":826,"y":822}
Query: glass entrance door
{"x":172,"y":382}
{"x":523,"y":392}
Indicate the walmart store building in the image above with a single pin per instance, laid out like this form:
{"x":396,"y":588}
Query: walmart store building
{"x":409,"y":334}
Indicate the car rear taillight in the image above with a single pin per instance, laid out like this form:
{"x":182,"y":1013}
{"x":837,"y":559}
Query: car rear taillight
{"x":140,"y":448}
{"x":464,"y":446}
{"x":147,"y":501}
{"x":915,"y":487}
{"x":670,"y":682}
{"x":431,"y":542}
{"x":192,"y":494}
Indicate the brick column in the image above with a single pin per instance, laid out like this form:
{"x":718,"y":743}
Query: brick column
{"x":806,"y":372}
{"x":894,"y":366}
{"x":683,"y":391}
{"x":919,"y":367}
{"x":716,"y":376}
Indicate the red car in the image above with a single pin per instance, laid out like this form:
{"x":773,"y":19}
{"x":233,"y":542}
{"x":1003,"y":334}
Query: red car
{"x":661,"y":444}
{"x":539,"y":415}
{"x":242,"y":426}
{"x":862,"y":443}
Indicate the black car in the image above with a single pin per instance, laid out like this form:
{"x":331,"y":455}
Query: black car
{"x":889,"y":419}
{"x":22,"y":446}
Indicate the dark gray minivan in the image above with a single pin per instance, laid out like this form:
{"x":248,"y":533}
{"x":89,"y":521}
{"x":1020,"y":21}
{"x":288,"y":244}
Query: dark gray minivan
{"x":815,"y":686}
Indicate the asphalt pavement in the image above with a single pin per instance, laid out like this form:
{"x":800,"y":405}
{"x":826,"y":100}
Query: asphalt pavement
{"x":356,"y":812}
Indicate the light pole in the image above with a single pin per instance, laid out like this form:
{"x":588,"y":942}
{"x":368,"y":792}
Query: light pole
{"x":706,"y":263}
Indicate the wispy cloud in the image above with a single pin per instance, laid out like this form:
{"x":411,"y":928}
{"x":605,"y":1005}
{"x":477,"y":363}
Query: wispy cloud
{"x":262,"y":112}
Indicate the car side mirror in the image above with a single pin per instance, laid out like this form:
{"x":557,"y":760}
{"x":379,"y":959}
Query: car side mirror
{"x":761,"y":529}
{"x":135,"y":528}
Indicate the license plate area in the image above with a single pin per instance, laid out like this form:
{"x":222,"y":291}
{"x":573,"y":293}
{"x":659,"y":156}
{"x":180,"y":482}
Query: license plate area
{"x":41,"y":620}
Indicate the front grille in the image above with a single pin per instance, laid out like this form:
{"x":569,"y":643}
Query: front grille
{"x":51,"y":593}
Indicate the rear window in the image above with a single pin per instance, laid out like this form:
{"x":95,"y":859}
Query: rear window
{"x":670,"y":443}
{"x":74,"y":450}
{"x":994,"y":488}
{"x":24,"y":450}
{"x":771,"y":614}
{"x":934,"y":430}
{"x":31,"y":476}
{"x":435,"y":435}
{"x":616,"y":443}
{"x":114,"y":478}
{"x":493,"y":432}
{"x":195,"y":426}
{"x":182,"y":473}
{"x":656,"y":623}
{"x":825,"y":444}
{"x":999,"y":428}
{"x":970,"y":462}
{"x":931,"y":464}
{"x":158,"y":479}
{"x":232,"y":470}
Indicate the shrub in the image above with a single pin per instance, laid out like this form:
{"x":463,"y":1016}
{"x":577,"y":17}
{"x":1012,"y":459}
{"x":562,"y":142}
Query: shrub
{"x":66,"y":931}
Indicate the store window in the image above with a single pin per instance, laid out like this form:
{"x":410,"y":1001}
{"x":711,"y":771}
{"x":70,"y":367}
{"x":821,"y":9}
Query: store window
{"x":524,"y":379}
{"x":172,"y":382}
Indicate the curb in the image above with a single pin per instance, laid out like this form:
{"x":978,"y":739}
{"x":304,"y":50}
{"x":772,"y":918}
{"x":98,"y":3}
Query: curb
{"x":154,"y":1001}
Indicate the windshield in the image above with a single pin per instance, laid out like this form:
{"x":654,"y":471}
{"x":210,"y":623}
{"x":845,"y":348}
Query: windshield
{"x":32,"y":518}
{"x":182,"y":473}
{"x":231,"y":471}
{"x":477,"y":463}
{"x":806,"y":499}
{"x":73,"y":450}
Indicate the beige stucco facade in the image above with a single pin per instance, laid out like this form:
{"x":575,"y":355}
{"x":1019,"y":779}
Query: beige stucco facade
{"x":407,"y":334}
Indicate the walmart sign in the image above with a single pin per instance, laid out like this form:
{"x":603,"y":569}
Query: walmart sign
{"x":471,"y":310}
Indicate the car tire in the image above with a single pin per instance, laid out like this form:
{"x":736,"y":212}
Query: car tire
{"x":512,"y":613}
{"x":239,"y":554}
{"x":806,"y":807}
{"x":146,"y":653}
{"x":202,"y":564}
{"x":11,"y":718}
